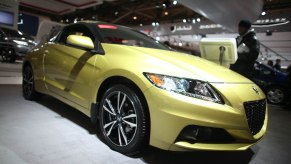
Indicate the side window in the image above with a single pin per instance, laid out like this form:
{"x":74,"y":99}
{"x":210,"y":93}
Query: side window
{"x":76,"y":29}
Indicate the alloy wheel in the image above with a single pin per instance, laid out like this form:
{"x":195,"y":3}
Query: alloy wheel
{"x":275,"y":96}
{"x":119,"y":118}
{"x":28,"y":82}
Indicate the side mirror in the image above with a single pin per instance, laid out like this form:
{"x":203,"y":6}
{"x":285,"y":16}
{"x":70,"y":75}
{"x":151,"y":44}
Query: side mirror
{"x":80,"y":41}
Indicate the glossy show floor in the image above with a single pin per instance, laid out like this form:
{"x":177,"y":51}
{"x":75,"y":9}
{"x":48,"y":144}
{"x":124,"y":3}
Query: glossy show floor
{"x":49,"y":131}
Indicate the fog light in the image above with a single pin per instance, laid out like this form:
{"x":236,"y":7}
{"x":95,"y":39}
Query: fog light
{"x":194,"y":134}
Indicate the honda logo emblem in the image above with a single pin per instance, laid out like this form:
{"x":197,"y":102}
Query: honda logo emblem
{"x":256,"y":90}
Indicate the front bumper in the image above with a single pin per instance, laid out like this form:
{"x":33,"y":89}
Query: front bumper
{"x":171,"y":112}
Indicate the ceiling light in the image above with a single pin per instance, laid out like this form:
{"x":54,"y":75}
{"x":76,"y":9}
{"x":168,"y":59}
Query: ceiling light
{"x":180,"y":44}
{"x":154,"y":24}
{"x":135,"y":18}
{"x":166,"y":13}
{"x":184,"y":20}
{"x":198,"y":19}
{"x":141,"y":24}
{"x":263,"y":13}
{"x":175,"y":2}
{"x":193,"y":21}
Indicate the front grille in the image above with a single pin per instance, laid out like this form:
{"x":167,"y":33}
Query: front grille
{"x":255,"y":112}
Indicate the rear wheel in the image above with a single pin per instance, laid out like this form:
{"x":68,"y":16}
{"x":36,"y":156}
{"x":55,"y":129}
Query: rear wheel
{"x":276,"y":95}
{"x":28,"y":89}
{"x":123,"y":120}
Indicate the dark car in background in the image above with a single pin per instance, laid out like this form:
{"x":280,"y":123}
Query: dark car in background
{"x":273,"y":82}
{"x":14,"y":44}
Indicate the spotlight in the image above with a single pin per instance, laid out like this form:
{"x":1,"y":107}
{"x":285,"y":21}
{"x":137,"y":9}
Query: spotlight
{"x":263,"y":13}
{"x":184,"y":20}
{"x":175,"y":2}
{"x":198,"y":19}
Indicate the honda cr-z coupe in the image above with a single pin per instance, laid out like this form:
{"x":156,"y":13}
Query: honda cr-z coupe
{"x":141,"y":92}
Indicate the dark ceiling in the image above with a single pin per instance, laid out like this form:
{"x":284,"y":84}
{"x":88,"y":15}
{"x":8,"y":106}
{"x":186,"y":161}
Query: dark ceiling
{"x":136,"y":12}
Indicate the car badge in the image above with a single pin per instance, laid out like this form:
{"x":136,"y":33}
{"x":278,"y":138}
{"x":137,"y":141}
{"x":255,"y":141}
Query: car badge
{"x":256,"y":90}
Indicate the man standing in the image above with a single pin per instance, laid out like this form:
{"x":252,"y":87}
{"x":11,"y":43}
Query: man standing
{"x":277,"y":66}
{"x":248,"y":49}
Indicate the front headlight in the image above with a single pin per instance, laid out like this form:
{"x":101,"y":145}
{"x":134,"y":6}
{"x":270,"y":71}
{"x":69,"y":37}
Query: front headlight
{"x":193,"y":88}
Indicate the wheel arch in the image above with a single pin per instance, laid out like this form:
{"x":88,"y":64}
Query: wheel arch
{"x":106,"y":84}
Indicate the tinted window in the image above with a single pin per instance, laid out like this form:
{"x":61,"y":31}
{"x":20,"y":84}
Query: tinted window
{"x":265,"y":70}
{"x":15,"y":33}
{"x":12,"y":33}
{"x":125,"y":36}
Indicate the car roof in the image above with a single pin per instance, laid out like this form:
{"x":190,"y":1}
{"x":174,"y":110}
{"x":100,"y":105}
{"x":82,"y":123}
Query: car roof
{"x":91,"y":22}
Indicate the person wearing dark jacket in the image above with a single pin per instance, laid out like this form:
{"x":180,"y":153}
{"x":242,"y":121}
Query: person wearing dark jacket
{"x":277,"y":66}
{"x":248,"y":49}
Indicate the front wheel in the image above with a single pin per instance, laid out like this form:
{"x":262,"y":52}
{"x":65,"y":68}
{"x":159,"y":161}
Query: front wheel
{"x":123,"y":120}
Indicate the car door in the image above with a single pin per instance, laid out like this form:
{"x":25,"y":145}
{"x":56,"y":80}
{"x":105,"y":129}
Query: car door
{"x":68,"y":70}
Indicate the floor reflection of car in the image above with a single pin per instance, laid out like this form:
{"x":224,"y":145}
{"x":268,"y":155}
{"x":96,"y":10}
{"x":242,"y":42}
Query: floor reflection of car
{"x":14,"y":44}
{"x":143,"y":93}
{"x":273,"y":82}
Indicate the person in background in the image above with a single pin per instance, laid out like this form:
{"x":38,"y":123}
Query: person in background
{"x":277,"y":66}
{"x":248,"y":49}
{"x":270,"y":63}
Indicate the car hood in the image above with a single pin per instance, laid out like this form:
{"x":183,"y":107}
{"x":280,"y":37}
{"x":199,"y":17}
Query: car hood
{"x":180,"y":65}
{"x":204,"y":69}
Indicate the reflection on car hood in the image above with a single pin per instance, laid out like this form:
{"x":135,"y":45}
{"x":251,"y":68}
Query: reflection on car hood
{"x":205,"y":70}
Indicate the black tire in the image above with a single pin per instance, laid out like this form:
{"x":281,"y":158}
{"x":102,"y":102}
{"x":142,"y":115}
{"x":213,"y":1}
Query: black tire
{"x":123,"y":120}
{"x":276,"y":95}
{"x":10,"y":55}
{"x":28,"y":88}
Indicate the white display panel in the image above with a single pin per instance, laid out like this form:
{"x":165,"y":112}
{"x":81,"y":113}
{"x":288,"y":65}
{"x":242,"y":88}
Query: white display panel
{"x":210,"y":50}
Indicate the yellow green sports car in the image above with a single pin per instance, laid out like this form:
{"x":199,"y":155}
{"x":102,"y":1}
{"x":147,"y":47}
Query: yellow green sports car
{"x":140,"y":92}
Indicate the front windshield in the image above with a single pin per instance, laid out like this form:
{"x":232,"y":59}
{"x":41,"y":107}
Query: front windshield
{"x":125,"y":36}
